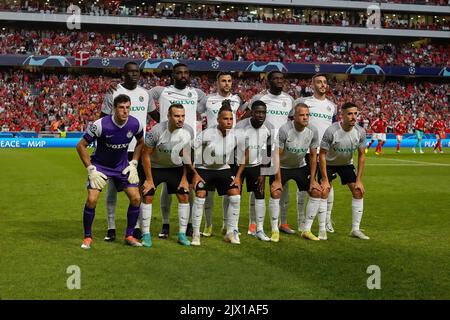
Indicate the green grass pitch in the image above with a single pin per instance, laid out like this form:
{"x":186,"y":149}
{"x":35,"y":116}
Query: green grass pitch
{"x":407,"y":214}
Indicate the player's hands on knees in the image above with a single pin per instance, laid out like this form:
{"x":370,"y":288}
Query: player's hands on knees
{"x":360,"y":187}
{"x":261,"y":183}
{"x":97,"y":180}
{"x":314,"y":185}
{"x":276,"y":186}
{"x":236,"y":182}
{"x":195,"y":180}
{"x":326,"y":187}
{"x":184,"y":185}
{"x":133,"y":176}
{"x":147,"y":186}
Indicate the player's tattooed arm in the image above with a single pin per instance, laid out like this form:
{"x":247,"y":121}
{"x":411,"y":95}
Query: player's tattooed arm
{"x":323,"y":171}
{"x":276,"y":185}
{"x":313,"y":170}
{"x":361,"y":160}
{"x":147,"y":165}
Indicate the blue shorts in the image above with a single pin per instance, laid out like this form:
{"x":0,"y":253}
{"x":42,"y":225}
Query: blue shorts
{"x":120,"y":180}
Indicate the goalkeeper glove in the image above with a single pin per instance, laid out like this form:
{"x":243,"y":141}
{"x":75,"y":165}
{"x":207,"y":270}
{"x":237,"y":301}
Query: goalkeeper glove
{"x":133,"y":176}
{"x":97,"y":180}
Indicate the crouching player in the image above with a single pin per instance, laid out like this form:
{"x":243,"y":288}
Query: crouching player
{"x":338,"y":144}
{"x":162,"y":158}
{"x":295,"y":140}
{"x":113,"y":134}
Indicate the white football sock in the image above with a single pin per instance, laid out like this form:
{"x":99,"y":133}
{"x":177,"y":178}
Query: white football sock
{"x":233,"y":213}
{"x":301,"y":201}
{"x":311,"y":211}
{"x":111,"y":202}
{"x":322,"y":215}
{"x":284,"y":203}
{"x":225,"y":204}
{"x":260,"y":209}
{"x":209,"y":208}
{"x":357,"y":213}
{"x":166,"y":201}
{"x":183,"y":216}
{"x":330,"y":202}
{"x":197,"y":212}
{"x":252,"y":212}
{"x":146,"y":213}
{"x":274,"y":209}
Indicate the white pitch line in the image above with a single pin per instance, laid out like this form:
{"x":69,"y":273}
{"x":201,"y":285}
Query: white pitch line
{"x":416,"y":162}
{"x":398,"y":165}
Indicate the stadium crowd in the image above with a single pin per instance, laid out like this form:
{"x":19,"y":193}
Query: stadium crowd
{"x":181,"y":46}
{"x":236,"y":13}
{"x":50,"y":102}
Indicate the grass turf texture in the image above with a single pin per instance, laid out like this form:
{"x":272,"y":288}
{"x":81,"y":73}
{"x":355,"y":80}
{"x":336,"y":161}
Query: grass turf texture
{"x":406,"y":215}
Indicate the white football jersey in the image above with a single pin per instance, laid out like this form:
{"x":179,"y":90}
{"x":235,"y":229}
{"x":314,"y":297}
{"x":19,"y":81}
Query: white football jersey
{"x":212,"y":104}
{"x":188,"y":97}
{"x":140,"y":106}
{"x":278,"y":107}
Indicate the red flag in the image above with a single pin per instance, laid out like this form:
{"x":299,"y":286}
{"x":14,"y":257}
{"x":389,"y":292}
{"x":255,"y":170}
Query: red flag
{"x":81,"y":58}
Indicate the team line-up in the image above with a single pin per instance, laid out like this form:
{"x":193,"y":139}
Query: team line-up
{"x":275,"y":137}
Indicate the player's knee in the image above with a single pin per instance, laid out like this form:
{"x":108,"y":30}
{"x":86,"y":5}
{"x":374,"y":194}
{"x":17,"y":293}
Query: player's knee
{"x":315,"y":193}
{"x":234,"y":192}
{"x":135,"y":200}
{"x":183,"y":198}
{"x":357,"y":194}
{"x":200,"y":194}
{"x":147,"y":199}
{"x":91,"y":202}
{"x":275,"y":194}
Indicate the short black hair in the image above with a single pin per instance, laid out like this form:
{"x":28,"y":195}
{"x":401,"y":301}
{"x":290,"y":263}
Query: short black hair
{"x":258,"y":103}
{"x":226,"y":106}
{"x":179,"y":65}
{"x":271,"y":73}
{"x":223,"y":73}
{"x":121,"y":98}
{"x":130,"y":63}
{"x":176,"y":106}
{"x":349,"y":105}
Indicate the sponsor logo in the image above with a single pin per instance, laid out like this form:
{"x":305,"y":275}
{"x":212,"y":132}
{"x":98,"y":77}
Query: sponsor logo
{"x":183,"y":102}
{"x":320,"y":115}
{"x":278,"y":112}
{"x":117,"y":146}
{"x":297,"y":150}
{"x":141,"y":108}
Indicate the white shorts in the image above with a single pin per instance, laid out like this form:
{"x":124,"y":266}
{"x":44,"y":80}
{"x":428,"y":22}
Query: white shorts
{"x":399,"y":137}
{"x":379,"y":136}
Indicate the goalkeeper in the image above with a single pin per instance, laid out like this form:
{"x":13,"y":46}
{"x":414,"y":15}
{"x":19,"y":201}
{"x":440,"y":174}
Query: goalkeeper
{"x":113,"y":134}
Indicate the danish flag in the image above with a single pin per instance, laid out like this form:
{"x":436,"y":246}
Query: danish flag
{"x":81,"y":58}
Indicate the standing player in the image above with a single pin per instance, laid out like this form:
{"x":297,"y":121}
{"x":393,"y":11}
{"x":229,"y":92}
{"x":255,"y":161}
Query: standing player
{"x":279,"y":105}
{"x":255,"y":135}
{"x":399,"y":129}
{"x":178,"y":93}
{"x":439,"y":131}
{"x":295,"y":139}
{"x":210,"y":106}
{"x":378,"y":127}
{"x":419,"y":129}
{"x":162,"y":163}
{"x":338,"y":144}
{"x":140,"y":106}
{"x":109,"y":161}
{"x":322,"y":113}
{"x":214,"y":151}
